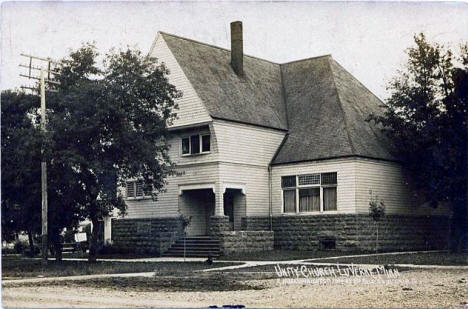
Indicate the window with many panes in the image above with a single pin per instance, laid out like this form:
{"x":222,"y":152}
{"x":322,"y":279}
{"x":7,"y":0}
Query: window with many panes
{"x":309,"y":193}
{"x":196,"y":144}
{"x":138,"y":189}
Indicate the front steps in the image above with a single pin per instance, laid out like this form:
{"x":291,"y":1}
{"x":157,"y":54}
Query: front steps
{"x":195,"y":246}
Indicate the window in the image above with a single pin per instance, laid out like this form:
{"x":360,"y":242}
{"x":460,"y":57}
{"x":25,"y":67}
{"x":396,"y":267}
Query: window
{"x":288,"y":181}
{"x":328,"y":179}
{"x":313,"y":179}
{"x":205,"y":143}
{"x":289,"y":197}
{"x":138,"y":188}
{"x":185,"y":146}
{"x":309,"y":199}
{"x":329,"y":198}
{"x":196,"y":144}
{"x":315,"y":192}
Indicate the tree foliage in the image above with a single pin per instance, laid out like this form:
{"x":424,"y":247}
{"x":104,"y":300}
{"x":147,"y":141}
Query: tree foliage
{"x":22,"y":141}
{"x":20,"y":153}
{"x":425,"y":117}
{"x":105,"y":124}
{"x":109,"y":124}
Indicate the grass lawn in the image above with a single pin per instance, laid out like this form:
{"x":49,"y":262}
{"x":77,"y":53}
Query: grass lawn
{"x":109,"y":255}
{"x":17,"y":267}
{"x":441,"y":258}
{"x":178,"y":283}
{"x":283,"y":255}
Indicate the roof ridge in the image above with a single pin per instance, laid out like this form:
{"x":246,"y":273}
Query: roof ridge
{"x":247,"y":55}
{"x":283,"y":96}
{"x":305,"y":59}
{"x":214,"y":46}
{"x":373,"y":129}
{"x":353,"y":150}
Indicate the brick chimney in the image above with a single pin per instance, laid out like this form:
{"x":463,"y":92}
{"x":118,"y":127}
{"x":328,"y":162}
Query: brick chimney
{"x":237,"y":50}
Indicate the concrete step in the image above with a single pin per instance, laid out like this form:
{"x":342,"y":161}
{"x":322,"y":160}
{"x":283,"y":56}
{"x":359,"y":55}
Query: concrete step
{"x":181,"y":246}
{"x":195,"y":246}
{"x":190,"y":254}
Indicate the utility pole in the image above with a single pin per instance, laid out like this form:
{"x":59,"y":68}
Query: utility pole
{"x":42,"y":82}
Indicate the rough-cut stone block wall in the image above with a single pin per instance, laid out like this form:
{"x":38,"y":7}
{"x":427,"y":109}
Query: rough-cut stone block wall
{"x":246,"y":241}
{"x":355,"y":231}
{"x":218,"y":225}
{"x":151,"y":235}
{"x":255,"y":223}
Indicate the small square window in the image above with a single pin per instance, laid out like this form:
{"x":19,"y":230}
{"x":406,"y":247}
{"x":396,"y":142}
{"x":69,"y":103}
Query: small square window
{"x":288,"y":181}
{"x":328,"y":178}
{"x":195,"y":144}
{"x":185,"y":145}
{"x":205,"y":143}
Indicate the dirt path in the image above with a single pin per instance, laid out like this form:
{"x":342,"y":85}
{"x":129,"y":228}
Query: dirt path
{"x":418,"y":288}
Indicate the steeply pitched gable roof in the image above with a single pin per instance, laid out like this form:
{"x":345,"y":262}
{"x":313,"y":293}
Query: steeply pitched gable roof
{"x":323,"y":107}
{"x":327,"y":111}
{"x":254,"y":98}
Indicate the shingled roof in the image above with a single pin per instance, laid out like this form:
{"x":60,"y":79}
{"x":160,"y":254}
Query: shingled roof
{"x":327,"y":111}
{"x":254,"y":98}
{"x":322,"y":106}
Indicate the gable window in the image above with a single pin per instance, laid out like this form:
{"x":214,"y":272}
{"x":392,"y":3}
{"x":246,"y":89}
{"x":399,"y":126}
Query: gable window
{"x":314,"y":192}
{"x":196,"y":144}
{"x":185,"y":146}
{"x":138,"y":189}
{"x":206,"y":143}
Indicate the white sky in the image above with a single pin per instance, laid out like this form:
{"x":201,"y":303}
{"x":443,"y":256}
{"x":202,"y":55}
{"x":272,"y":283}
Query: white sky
{"x":367,"y":38}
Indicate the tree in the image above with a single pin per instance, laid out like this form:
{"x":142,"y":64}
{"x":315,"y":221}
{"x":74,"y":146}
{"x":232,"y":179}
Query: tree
{"x":21,"y":175}
{"x":376,"y":212}
{"x":20,"y":151}
{"x":110,"y":125}
{"x":426,"y":118}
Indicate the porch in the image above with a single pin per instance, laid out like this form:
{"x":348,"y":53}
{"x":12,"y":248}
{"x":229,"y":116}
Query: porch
{"x":202,"y":205}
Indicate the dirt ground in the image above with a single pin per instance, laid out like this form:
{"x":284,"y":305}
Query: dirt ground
{"x":419,"y":288}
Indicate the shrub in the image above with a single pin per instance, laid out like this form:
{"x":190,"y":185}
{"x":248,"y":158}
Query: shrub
{"x":20,"y":246}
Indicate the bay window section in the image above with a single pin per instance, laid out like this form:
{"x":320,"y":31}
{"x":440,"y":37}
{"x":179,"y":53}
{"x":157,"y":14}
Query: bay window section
{"x":309,"y":193}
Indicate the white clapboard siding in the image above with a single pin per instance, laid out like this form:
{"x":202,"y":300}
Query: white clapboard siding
{"x":244,"y":153}
{"x":386,"y":180}
{"x":168,"y":202}
{"x":191,"y":109}
{"x":241,"y":143}
{"x":255,"y":181}
{"x":345,"y":169}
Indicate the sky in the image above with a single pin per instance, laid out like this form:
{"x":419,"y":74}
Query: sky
{"x":367,"y":38}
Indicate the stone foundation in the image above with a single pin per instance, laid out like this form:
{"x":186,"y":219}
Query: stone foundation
{"x":246,"y":241}
{"x":346,"y":232}
{"x":152,"y":235}
{"x":218,"y":225}
{"x":349,"y":232}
